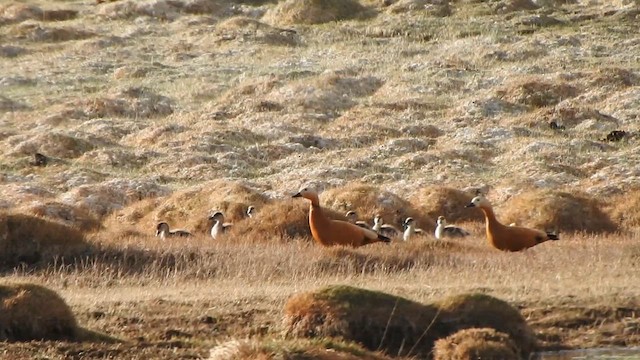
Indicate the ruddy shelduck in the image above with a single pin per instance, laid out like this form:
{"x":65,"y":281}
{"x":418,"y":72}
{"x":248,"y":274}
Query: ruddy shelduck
{"x":219,"y":226}
{"x":443,"y":230}
{"x":508,"y":238}
{"x":352,"y":216}
{"x":385,"y":229}
{"x":163,"y":231}
{"x":330,"y":232}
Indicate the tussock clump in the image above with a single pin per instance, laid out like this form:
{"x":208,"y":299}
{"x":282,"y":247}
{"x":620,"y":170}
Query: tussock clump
{"x":10,"y":51}
{"x":280,"y":220}
{"x":368,"y":201}
{"x":63,"y":213}
{"x":507,"y":6}
{"x":326,"y":92}
{"x":7,"y":105}
{"x":246,"y":29}
{"x":33,"y":312}
{"x":569,"y":115}
{"x":103,"y":198}
{"x":537,"y":94}
{"x":472,"y":344}
{"x":29,"y":239}
{"x":614,"y":77}
{"x":191,"y":208}
{"x":37,"y":32}
{"x":160,"y":9}
{"x":430,"y":7}
{"x":15,"y":13}
{"x":314,"y":11}
{"x":625,"y":209}
{"x":556,"y":210}
{"x":434,"y":201}
{"x":55,"y":144}
{"x":484,"y":311}
{"x":122,"y":158}
{"x":272,"y":349}
{"x":134,"y":102}
{"x":374,"y":319}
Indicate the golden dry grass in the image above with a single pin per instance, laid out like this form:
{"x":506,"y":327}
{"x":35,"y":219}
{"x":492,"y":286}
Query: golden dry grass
{"x":474,"y":343}
{"x":167,"y":109}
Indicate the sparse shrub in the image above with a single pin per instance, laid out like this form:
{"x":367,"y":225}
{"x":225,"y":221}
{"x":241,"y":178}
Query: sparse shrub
{"x":38,"y":32}
{"x":434,"y":201}
{"x":368,"y":201}
{"x":551,"y":210}
{"x":484,"y":311}
{"x":29,"y":239}
{"x":472,"y":344}
{"x":273,"y":349}
{"x":33,"y":312}
{"x":314,"y":11}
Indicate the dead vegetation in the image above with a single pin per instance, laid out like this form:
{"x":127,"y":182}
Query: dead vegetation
{"x":563,"y":211}
{"x":314,"y":11}
{"x":399,"y":326}
{"x":475,"y":343}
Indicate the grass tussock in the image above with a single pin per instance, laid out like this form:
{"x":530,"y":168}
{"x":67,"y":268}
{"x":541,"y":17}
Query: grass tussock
{"x":33,"y":312}
{"x":311,"y":12}
{"x":56,"y":144}
{"x":374,"y":319}
{"x":159,"y":9}
{"x":471,"y":344}
{"x":30,"y":239}
{"x":399,"y":326}
{"x":434,"y":201}
{"x":190,"y":208}
{"x":64,"y":213}
{"x":283,"y":220}
{"x":368,"y":201}
{"x":563,"y":211}
{"x":484,"y":311}
{"x":625,"y":209}
{"x":273,"y":349}
{"x":246,"y":29}
{"x":37,"y":32}
{"x":536,"y":93}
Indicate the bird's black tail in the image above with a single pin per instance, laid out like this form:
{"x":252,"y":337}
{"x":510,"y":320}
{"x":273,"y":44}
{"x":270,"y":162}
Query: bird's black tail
{"x":553,"y":236}
{"x":384,"y":238}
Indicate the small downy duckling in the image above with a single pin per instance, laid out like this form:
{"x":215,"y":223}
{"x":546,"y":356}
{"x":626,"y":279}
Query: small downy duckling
{"x":385,"y":229}
{"x":352,"y":216}
{"x":329,"y":232}
{"x":409,"y":226}
{"x":219,"y":226}
{"x":443,"y":230}
{"x":163,"y":231}
{"x":251,"y":210}
{"x":508,"y":238}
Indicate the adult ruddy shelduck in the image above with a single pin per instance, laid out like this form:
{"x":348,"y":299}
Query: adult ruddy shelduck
{"x":162,"y":231}
{"x":443,"y":230}
{"x":330,"y":232}
{"x":508,"y":238}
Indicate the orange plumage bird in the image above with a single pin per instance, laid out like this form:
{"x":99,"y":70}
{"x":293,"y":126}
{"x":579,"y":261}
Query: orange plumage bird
{"x":508,"y":238}
{"x":328,"y":232}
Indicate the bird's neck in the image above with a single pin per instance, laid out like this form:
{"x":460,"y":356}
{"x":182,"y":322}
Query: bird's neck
{"x":490,"y":217}
{"x":407,"y":232}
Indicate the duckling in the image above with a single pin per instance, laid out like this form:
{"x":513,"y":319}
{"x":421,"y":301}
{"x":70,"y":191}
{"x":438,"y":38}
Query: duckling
{"x":162,"y":231}
{"x":353,"y":218}
{"x":385,"y":229}
{"x":330,"y":232}
{"x":443,"y":230}
{"x":409,"y":228}
{"x":219,"y":226}
{"x":508,"y":238}
{"x":251,"y":210}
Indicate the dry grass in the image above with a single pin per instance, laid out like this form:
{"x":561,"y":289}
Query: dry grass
{"x":158,"y":109}
{"x":566,"y":212}
{"x":31,"y":240}
{"x":473,"y":343}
